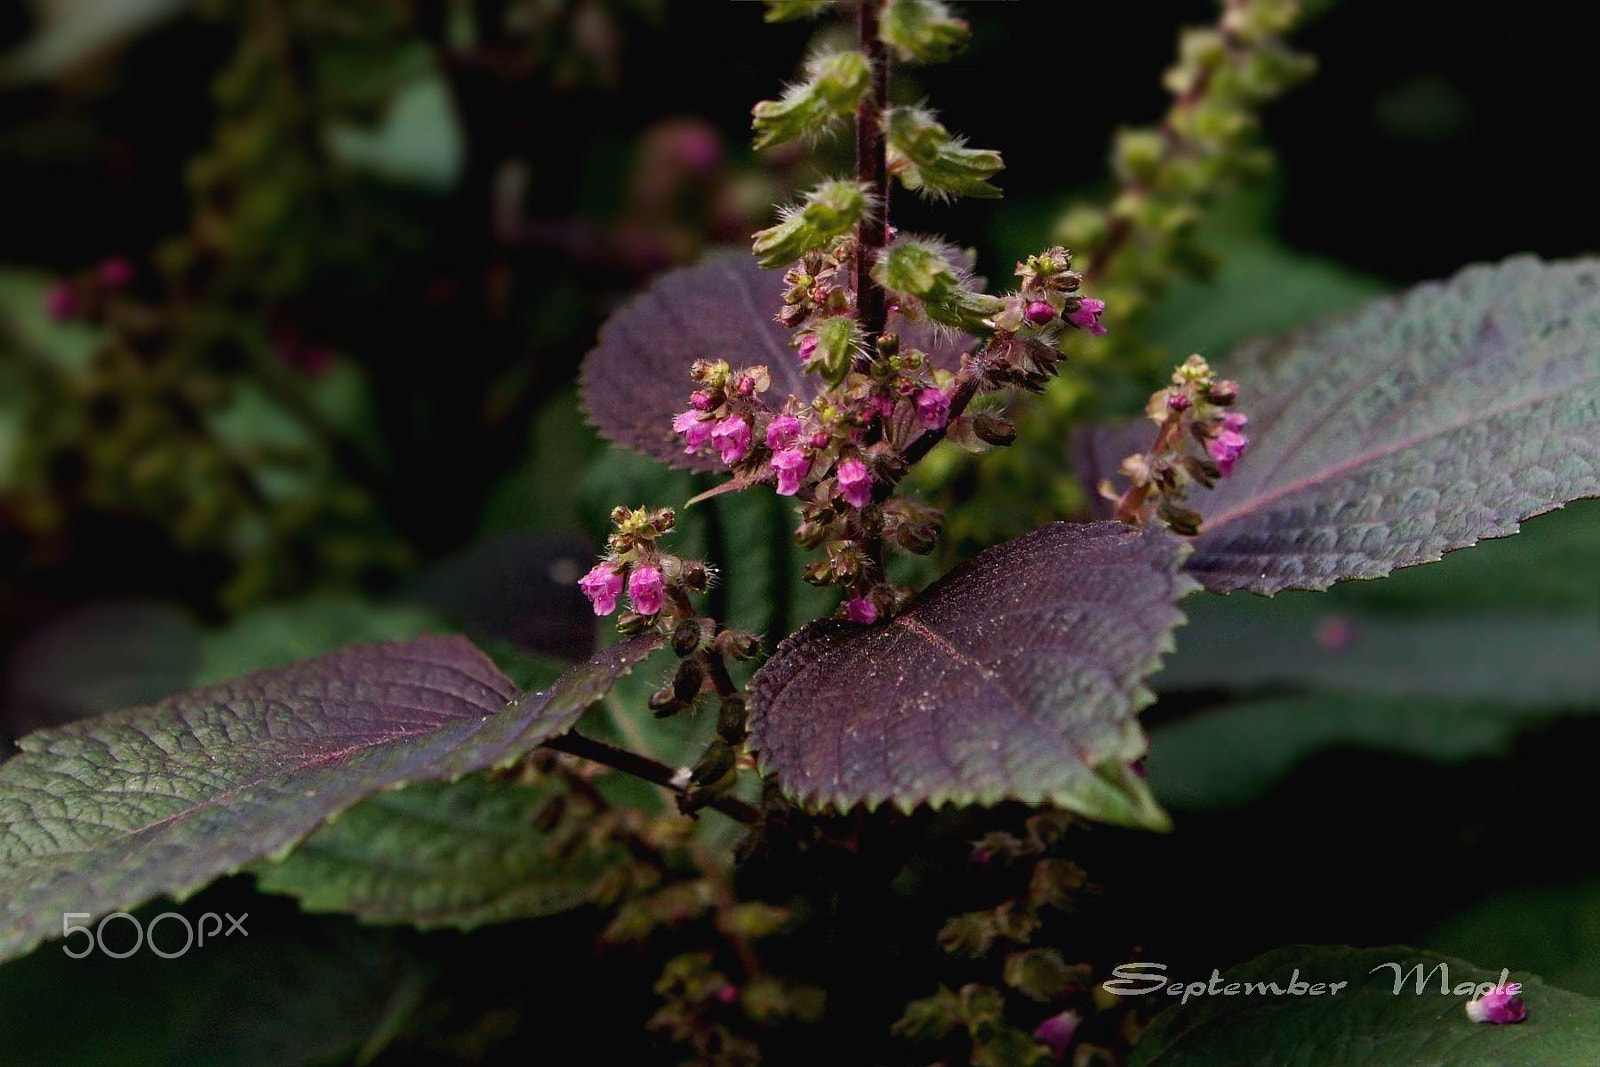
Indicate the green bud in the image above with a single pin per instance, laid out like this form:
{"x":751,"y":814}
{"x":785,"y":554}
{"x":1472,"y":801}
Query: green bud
{"x":831,"y":87}
{"x":922,"y":31}
{"x":919,"y":270}
{"x":927,"y":157}
{"x":830,"y":210}
{"x":838,"y":341}
{"x":795,"y":10}
{"x":714,"y":764}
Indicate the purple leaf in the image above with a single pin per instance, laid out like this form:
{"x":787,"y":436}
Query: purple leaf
{"x":1019,"y":675}
{"x":724,"y":307}
{"x":107,"y":813}
{"x":1417,"y":427}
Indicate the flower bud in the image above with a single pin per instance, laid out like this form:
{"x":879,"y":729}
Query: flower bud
{"x":1178,"y":402}
{"x":691,"y":676}
{"x":1223,"y":393}
{"x":696,"y":576}
{"x":1500,"y":1005}
{"x":731,"y":718}
{"x":994,"y":429}
{"x":1039,"y":313}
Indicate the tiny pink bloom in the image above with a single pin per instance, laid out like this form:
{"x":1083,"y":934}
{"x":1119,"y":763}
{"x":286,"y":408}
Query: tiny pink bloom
{"x":1039,"y":313}
{"x":782,"y":432}
{"x":860,"y":609}
{"x":700,"y":400}
{"x":116,"y":272}
{"x":933,"y":408}
{"x":1056,"y":1032}
{"x":1178,"y":402}
{"x":818,"y":440}
{"x":808,"y":345}
{"x":1137,"y":767}
{"x":792,"y":466}
{"x":696,"y":430}
{"x":1088,"y":315}
{"x":1226,"y":448}
{"x":645,"y":589}
{"x":1234,"y":421}
{"x":855,"y":483}
{"x":728,"y":994}
{"x":1335,"y":633}
{"x":731,"y":437}
{"x":602,"y":585}
{"x":61,"y":302}
{"x":745,"y":385}
{"x":1501,"y":1005}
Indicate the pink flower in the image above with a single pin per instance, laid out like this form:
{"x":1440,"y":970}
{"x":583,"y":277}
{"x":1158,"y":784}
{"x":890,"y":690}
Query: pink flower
{"x":855,"y":483}
{"x":808,"y":346}
{"x":782,"y":432}
{"x":645,"y":589}
{"x":1039,"y":313}
{"x":792,"y":466}
{"x":116,"y":272}
{"x":1178,"y":402}
{"x":1500,"y":1005}
{"x":61,"y":302}
{"x":602,"y":585}
{"x":731,"y":437}
{"x":700,"y":400}
{"x":860,"y":609}
{"x":933,"y":408}
{"x":1088,"y":315}
{"x":728,"y":994}
{"x":1056,"y":1032}
{"x":695,"y":429}
{"x":1226,"y":448}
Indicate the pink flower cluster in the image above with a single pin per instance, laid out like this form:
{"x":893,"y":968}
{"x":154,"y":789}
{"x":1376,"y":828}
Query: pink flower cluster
{"x":603,"y":585}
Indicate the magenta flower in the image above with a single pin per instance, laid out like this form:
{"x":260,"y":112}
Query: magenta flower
{"x":1039,"y":313}
{"x":695,"y":429}
{"x":1226,"y":448}
{"x":1501,"y":1005}
{"x":1178,"y":402}
{"x":782,"y":432}
{"x":602,"y":585}
{"x":1056,"y":1032}
{"x":933,"y":408}
{"x":855,"y":483}
{"x":700,"y":400}
{"x":61,"y":302}
{"x":116,"y":272}
{"x":1088,"y":315}
{"x":731,"y":437}
{"x":808,"y":346}
{"x":645,"y":589}
{"x":860,"y":609}
{"x":792,"y":465}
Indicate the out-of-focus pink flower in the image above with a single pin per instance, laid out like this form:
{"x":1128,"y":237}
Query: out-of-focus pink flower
{"x":602,"y":585}
{"x":731,"y":437}
{"x":860,"y":609}
{"x":1501,"y":1005}
{"x":116,"y":272}
{"x":792,"y":465}
{"x":808,"y":347}
{"x":1088,"y":315}
{"x":782,"y":432}
{"x":933,"y":408}
{"x":645,"y":589}
{"x":1056,"y":1032}
{"x":61,"y":302}
{"x":695,"y":428}
{"x":855,"y":483}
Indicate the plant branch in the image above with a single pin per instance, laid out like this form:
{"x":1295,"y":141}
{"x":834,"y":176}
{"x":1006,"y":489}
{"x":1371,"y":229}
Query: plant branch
{"x":650,"y":770}
{"x":872,"y":171}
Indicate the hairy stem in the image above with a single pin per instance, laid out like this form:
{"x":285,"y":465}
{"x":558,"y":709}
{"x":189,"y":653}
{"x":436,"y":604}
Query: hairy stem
{"x":872,"y":171}
{"x":650,"y":770}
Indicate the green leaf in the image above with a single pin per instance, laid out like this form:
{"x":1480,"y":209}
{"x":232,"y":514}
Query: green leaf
{"x":458,"y":854}
{"x":1551,"y":929}
{"x":1366,"y":1022}
{"x":1419,"y":426}
{"x":1019,"y":675}
{"x":107,"y":813}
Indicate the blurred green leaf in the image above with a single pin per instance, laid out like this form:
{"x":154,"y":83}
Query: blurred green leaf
{"x":1551,"y":929}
